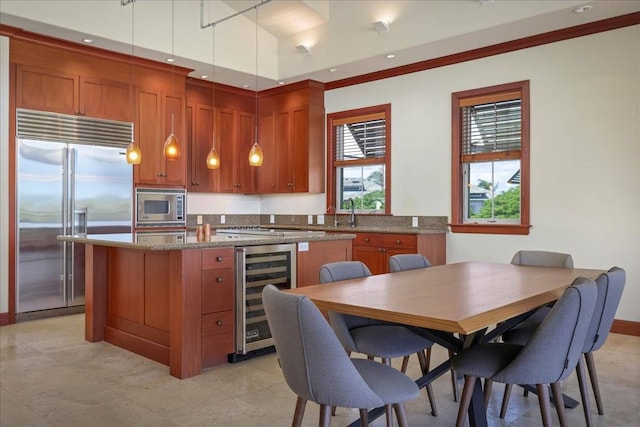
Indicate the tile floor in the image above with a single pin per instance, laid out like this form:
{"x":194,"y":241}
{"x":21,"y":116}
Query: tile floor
{"x":50,"y":376}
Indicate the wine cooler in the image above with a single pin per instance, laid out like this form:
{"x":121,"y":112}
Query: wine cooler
{"x":256,"y":267}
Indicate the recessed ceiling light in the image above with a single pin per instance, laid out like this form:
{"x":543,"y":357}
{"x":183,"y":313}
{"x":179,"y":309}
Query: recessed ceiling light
{"x":171,"y":60}
{"x":333,"y":70}
{"x":583,"y":9}
{"x":204,"y":76}
{"x":280,"y":83}
{"x":246,"y":86}
{"x":390,"y":56}
{"x":87,"y":40}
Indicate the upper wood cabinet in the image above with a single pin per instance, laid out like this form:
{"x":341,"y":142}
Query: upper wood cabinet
{"x":200,"y":119}
{"x":235,"y":136}
{"x":292,"y":138}
{"x":156,"y":113}
{"x":67,"y":93}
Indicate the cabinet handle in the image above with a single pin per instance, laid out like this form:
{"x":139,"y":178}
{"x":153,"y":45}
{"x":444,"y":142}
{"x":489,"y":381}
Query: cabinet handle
{"x":219,"y":323}
{"x":398,"y":242}
{"x":219,"y":259}
{"x":366,"y":239}
{"x":162,"y":174}
{"x":219,"y":280}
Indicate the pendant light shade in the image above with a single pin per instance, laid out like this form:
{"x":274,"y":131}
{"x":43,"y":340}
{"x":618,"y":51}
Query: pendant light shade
{"x":255,"y":155}
{"x":213,"y":159}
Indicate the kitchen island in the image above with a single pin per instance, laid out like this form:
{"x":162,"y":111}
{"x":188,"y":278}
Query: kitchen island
{"x":171,"y":298}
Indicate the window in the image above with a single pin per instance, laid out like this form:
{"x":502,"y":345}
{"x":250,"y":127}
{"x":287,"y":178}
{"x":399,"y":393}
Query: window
{"x":358,"y":159}
{"x":490,"y":160}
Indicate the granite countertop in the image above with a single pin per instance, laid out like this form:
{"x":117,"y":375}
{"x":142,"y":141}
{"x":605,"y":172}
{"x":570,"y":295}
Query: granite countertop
{"x":358,"y":229}
{"x":189,"y":240}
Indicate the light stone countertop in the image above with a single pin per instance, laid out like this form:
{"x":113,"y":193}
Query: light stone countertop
{"x":129,"y":240}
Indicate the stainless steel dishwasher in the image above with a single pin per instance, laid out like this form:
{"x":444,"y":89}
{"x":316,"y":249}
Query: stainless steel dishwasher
{"x":256,"y":267}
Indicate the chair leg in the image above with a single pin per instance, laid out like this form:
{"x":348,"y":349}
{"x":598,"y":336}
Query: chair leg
{"x":299,"y":412}
{"x":364,"y":417}
{"x":405,"y":364}
{"x":505,"y":400}
{"x":424,"y":366}
{"x":488,"y":385}
{"x":325,"y":416}
{"x":559,"y":401}
{"x":401,"y":414}
{"x":454,"y":381}
{"x":591,"y":366}
{"x":584,"y":392}
{"x":465,"y":400}
{"x":543,"y":400}
{"x":388,"y":412}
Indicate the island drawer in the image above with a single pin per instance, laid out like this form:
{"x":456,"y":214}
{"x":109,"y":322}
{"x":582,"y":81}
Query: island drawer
{"x":407,"y":241}
{"x":217,"y":258}
{"x":217,"y":337}
{"x":217,"y":290}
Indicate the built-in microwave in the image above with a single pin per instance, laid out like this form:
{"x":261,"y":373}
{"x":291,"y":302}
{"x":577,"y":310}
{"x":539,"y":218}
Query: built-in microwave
{"x":161,"y":207}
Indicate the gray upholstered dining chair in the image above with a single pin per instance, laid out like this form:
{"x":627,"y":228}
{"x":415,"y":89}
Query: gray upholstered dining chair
{"x":373,"y":337}
{"x":548,"y":358}
{"x":404,"y":262}
{"x":542,"y":259}
{"x":610,"y":286}
{"x":317,"y":368}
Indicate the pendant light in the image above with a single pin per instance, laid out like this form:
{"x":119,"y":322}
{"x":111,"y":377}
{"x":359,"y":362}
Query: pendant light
{"x":255,"y":154}
{"x":213,"y":158}
{"x":133,"y":154}
{"x":171,"y":149}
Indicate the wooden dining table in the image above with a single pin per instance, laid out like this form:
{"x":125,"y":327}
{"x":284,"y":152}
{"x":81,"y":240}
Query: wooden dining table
{"x":456,"y":305}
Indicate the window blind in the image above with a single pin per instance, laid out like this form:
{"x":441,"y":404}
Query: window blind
{"x":492,"y":127}
{"x":362,"y":140}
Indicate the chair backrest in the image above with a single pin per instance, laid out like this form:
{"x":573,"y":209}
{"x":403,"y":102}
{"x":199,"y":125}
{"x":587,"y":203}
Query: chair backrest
{"x":403,"y":262}
{"x":342,"y":323}
{"x":313,"y":361}
{"x":542,"y":259}
{"x":610,"y":286}
{"x":554,"y":348}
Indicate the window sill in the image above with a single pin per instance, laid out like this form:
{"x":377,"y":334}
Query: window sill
{"x":517,"y":229}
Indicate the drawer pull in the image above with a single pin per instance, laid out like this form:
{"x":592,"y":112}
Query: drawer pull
{"x":219,"y":323}
{"x":366,"y":239}
{"x":219,"y":259}
{"x":219,"y":280}
{"x":398,"y":242}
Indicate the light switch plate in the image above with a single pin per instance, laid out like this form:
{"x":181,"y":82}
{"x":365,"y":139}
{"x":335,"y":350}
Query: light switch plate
{"x":320,"y":219}
{"x":199,"y":220}
{"x":272,"y":219}
{"x":222,"y":219}
{"x":414,"y":221}
{"x":303,"y":246}
{"x":309,"y":219}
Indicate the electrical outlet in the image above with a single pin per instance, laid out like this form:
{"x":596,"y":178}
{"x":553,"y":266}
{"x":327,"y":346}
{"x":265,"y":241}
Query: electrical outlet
{"x":199,"y":220}
{"x":222,"y":219}
{"x":320,"y":219}
{"x":303,"y":246}
{"x":272,"y":219}
{"x":309,"y":219}
{"x":414,"y":221}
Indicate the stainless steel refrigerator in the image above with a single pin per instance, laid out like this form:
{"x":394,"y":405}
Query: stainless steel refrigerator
{"x":72,"y":178}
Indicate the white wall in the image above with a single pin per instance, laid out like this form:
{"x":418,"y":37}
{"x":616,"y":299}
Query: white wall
{"x":585,"y":149}
{"x":4,"y":174}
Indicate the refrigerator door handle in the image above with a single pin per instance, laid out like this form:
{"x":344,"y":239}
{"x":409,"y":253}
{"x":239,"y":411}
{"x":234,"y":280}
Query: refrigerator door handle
{"x":241,"y":326}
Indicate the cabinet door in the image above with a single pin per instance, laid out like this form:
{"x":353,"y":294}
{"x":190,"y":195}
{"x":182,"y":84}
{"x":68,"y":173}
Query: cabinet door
{"x":266,"y":175}
{"x":175,"y":171}
{"x":298,"y":152}
{"x":201,"y":177}
{"x":226,"y":135}
{"x":147,"y":131}
{"x":217,"y":290}
{"x":105,"y":99}
{"x":246,"y":138}
{"x":47,"y":90}
{"x":370,"y":255}
{"x":282,"y":135}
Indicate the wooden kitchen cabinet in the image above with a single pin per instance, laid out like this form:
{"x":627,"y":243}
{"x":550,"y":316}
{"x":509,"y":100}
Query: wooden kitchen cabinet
{"x":292,"y":138}
{"x":155,"y":111}
{"x":320,"y":253}
{"x":235,"y":135}
{"x":200,"y":119}
{"x":69,"y":93}
{"x":217,"y":290}
{"x":374,"y":249}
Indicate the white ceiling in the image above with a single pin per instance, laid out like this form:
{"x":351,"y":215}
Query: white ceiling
{"x":339,"y":33}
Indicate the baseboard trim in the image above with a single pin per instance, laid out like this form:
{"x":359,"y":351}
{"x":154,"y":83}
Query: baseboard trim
{"x":626,"y":327}
{"x":4,"y":319}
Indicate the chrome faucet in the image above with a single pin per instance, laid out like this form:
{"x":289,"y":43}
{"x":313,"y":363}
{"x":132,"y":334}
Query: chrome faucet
{"x":352,"y":215}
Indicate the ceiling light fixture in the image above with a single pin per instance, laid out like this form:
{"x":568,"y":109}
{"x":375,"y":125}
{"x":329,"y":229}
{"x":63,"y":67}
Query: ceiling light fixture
{"x":213,"y":158}
{"x":87,"y":40}
{"x":304,"y":50}
{"x":133,"y":153}
{"x":381,"y":27}
{"x":171,"y":149}
{"x":255,"y":154}
{"x":390,"y":56}
{"x":583,"y":9}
